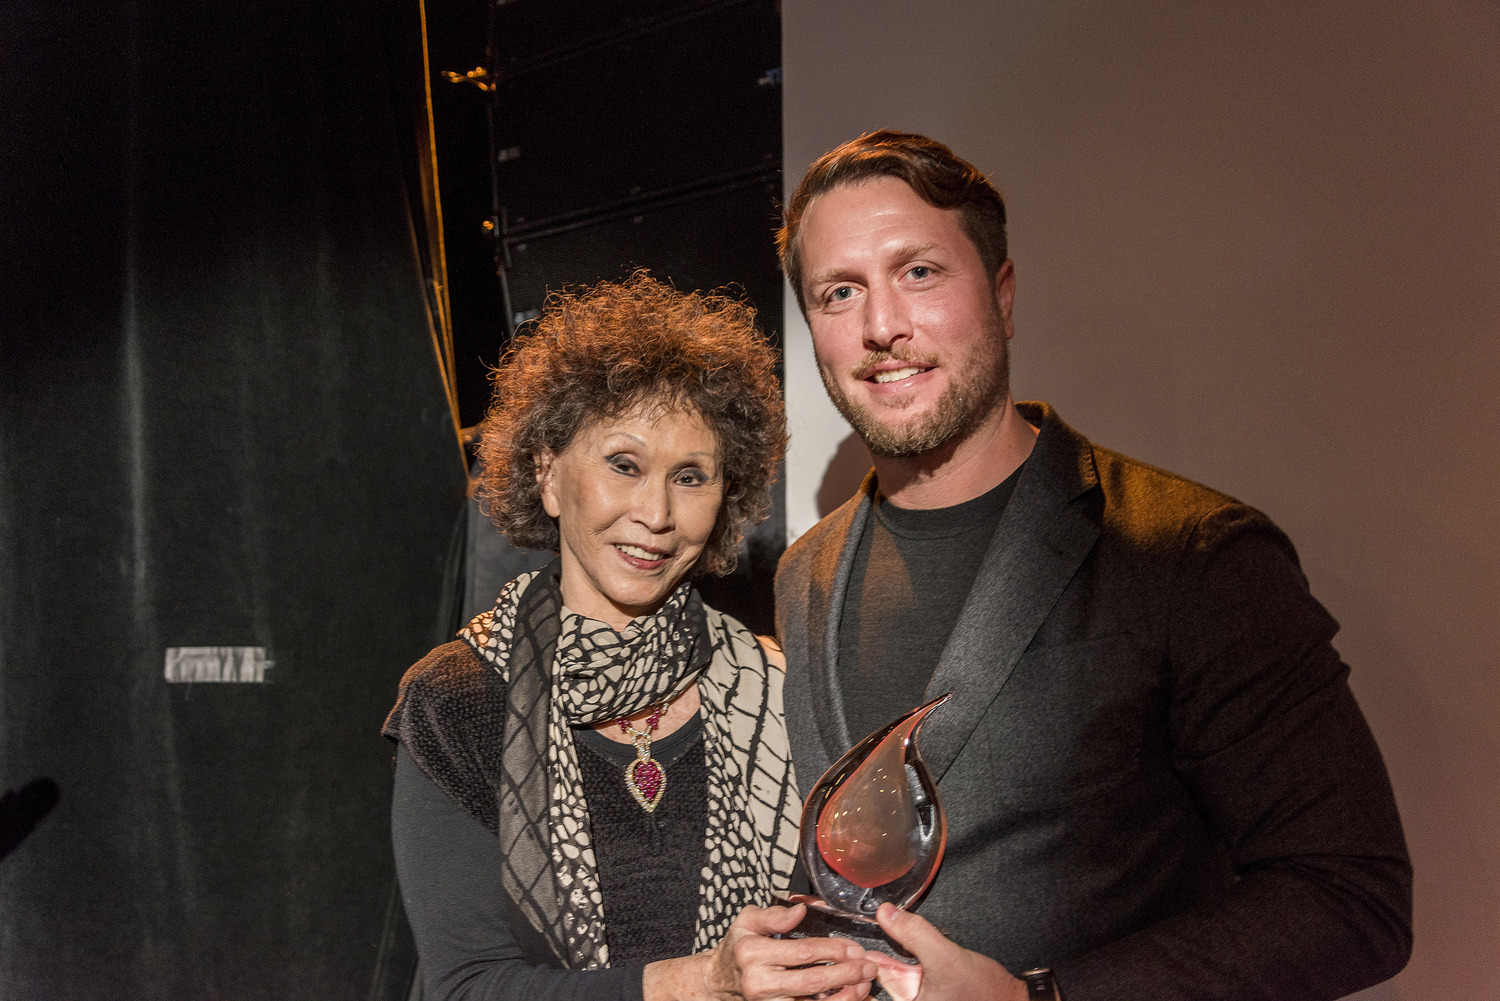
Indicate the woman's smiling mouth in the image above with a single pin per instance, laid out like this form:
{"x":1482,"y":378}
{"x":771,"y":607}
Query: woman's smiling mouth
{"x":640,"y":555}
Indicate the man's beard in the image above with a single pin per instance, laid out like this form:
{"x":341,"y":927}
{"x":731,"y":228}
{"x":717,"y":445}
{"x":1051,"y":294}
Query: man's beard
{"x":976,"y":388}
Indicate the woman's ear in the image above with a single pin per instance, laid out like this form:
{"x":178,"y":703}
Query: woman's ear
{"x":546,"y":474}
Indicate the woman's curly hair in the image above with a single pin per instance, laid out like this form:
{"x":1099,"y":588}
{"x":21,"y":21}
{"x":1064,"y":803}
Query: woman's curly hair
{"x":610,"y":350}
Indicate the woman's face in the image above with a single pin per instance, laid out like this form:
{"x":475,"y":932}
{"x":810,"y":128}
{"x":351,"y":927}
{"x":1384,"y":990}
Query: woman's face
{"x":635,"y":498}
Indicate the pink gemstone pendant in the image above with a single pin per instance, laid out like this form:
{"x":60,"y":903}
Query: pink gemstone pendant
{"x":646,"y":781}
{"x":645,"y":777}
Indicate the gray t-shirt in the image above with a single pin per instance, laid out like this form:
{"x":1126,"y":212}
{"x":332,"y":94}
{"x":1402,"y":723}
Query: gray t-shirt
{"x":912,"y":573}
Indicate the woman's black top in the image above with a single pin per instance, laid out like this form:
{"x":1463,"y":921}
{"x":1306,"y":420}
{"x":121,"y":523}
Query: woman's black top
{"x":650,"y":864}
{"x":649,"y":868}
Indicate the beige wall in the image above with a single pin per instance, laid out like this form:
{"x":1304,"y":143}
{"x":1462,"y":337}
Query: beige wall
{"x":1261,"y":249}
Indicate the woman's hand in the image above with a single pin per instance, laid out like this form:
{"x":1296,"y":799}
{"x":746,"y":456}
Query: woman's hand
{"x":748,"y":965}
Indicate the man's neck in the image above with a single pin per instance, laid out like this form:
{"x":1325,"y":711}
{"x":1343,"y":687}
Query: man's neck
{"x":961,"y":470}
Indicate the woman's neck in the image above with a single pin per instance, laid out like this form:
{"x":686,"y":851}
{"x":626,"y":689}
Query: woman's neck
{"x":679,"y":710}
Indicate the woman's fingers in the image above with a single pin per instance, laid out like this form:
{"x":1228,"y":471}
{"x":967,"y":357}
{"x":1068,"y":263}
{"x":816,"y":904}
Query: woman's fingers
{"x":767,"y":968}
{"x":768,"y":920}
{"x":793,"y":953}
{"x":849,"y":979}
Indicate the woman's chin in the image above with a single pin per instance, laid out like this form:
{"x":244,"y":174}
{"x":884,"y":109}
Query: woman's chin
{"x":625,"y":600}
{"x":633,"y":604}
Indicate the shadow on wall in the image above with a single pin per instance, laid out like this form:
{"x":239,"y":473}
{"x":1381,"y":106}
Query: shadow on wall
{"x":22,"y":809}
{"x":845,"y":472}
{"x":1449,"y":803}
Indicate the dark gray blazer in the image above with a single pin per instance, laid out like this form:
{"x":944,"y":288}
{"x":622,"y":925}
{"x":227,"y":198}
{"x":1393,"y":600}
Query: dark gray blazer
{"x":1157,"y":780}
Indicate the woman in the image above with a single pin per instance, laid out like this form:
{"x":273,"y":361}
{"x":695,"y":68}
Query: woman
{"x":623,"y":741}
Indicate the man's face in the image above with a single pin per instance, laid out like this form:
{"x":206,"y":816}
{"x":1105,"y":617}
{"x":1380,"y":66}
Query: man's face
{"x":909,"y":330}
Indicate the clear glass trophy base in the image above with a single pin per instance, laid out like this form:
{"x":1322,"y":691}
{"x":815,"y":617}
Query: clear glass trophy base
{"x":822,"y":921}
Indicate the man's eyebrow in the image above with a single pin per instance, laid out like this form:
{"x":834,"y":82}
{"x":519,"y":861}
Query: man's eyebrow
{"x":911,"y":250}
{"x":902,"y":254}
{"x":831,"y":275}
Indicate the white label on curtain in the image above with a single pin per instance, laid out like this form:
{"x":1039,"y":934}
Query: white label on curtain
{"x":217,"y":663}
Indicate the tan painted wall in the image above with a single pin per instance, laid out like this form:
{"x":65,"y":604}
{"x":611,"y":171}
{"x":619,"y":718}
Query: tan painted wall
{"x":1261,"y":249}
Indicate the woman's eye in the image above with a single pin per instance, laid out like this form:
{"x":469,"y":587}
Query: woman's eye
{"x":691,"y":478}
{"x":621,"y":465}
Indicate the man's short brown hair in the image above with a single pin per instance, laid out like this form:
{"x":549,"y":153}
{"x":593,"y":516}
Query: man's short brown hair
{"x":932,"y":170}
{"x":610,"y":350}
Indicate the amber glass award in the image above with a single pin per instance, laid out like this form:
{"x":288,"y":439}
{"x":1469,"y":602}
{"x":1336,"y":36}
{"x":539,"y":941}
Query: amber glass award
{"x":872,"y":833}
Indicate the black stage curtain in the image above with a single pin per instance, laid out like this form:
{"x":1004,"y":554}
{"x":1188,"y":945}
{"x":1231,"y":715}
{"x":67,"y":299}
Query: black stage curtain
{"x":222,"y":424}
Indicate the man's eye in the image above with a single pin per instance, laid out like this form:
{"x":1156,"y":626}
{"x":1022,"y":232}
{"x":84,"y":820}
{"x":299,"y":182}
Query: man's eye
{"x":841,"y":293}
{"x":920,"y":271}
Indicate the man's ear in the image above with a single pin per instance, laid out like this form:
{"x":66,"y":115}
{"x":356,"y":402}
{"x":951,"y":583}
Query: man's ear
{"x":546,"y":474}
{"x":1005,"y":295}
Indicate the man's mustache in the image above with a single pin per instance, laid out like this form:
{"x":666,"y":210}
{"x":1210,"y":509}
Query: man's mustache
{"x":873,"y":359}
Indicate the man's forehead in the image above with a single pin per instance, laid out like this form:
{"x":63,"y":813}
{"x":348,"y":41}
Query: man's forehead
{"x":883,"y":209}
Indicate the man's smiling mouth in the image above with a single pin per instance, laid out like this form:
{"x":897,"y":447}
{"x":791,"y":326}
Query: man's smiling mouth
{"x":896,"y":374}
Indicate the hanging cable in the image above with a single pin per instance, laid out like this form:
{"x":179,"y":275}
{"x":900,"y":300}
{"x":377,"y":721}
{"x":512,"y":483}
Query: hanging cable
{"x":439,"y":313}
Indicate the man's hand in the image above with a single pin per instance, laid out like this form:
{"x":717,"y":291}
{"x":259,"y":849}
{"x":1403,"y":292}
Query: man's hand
{"x":750,"y":966}
{"x":948,"y":972}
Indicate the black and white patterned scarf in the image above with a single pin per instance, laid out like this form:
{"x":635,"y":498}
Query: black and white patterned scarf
{"x":563,"y":670}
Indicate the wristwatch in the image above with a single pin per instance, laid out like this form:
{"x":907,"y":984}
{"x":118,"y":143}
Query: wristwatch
{"x":1041,"y":985}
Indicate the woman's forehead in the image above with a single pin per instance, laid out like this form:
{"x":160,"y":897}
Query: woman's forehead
{"x":653,"y":420}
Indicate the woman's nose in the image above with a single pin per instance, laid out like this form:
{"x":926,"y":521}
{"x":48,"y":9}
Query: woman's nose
{"x":653,"y":505}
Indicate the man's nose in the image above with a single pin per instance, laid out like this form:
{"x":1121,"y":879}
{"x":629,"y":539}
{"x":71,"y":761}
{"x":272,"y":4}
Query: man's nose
{"x":886,"y":319}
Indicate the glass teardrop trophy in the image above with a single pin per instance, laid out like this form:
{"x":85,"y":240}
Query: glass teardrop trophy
{"x":873,"y":832}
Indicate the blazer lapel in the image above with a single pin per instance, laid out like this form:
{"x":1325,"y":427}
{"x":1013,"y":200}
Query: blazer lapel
{"x":830,"y":582}
{"x":1044,"y":535}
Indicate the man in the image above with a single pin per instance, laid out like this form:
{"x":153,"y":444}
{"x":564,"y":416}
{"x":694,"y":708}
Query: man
{"x":1157,"y":781}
